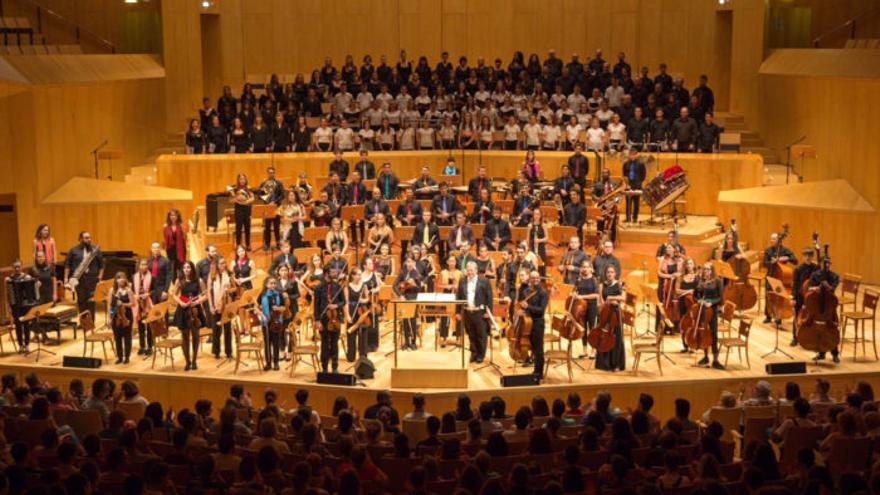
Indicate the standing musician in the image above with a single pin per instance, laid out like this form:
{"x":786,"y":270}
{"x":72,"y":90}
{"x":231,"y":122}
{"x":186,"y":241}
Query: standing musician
{"x":337,"y":261}
{"x":708,"y":293}
{"x":372,"y":280}
{"x":19,"y":308}
{"x":518,"y":264}
{"x":570,"y":264}
{"x":496,"y":233}
{"x":524,"y":206}
{"x":444,"y":205}
{"x":328,"y":304}
{"x":460,"y":234}
{"x":424,"y":185}
{"x":243,"y":199}
{"x":564,"y":185}
{"x":450,"y":276}
{"x":143,"y":299}
{"x":483,"y":207}
{"x":426,"y":233}
{"x":271,"y":312}
{"x":478,"y":184}
{"x":376,"y":207}
{"x":218,"y":292}
{"x":338,"y":166}
{"x":687,"y":284}
{"x":189,"y":317}
{"x":285,"y":258}
{"x":206,"y":264}
{"x":409,"y":211}
{"x":579,"y":165}
{"x":612,"y":293}
{"x":485,"y":263}
{"x":634,"y":172}
{"x":121,"y":298}
{"x":533,"y":300}
{"x":586,"y":288}
{"x":387,"y":182}
{"x":802,"y":273}
{"x":244,"y":269}
{"x":672,"y":240}
{"x":88,"y":260}
{"x":605,"y":258}
{"x":357,"y":195}
{"x":336,"y":191}
{"x":425,"y":266}
{"x":293,"y":218}
{"x":407,"y":285}
{"x":775,"y":253}
{"x":289,"y":286}
{"x":323,"y":210}
{"x":364,"y":166}
{"x":729,"y":248}
{"x":824,"y":278}
{"x":357,"y":299}
{"x":272,"y":191}
{"x":475,"y":289}
{"x":43,"y":241}
{"x":601,"y":189}
{"x":175,"y":240}
{"x":668,"y":271}
{"x":44,"y":273}
{"x":574,"y":214}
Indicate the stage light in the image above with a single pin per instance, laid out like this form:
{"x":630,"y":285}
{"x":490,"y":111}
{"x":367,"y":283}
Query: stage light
{"x":207,"y":4}
{"x":723,"y":2}
{"x":131,"y":1}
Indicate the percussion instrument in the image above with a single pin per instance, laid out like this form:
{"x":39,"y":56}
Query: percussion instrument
{"x":666,"y":187}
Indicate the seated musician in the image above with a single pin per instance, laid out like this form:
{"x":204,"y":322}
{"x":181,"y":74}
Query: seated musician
{"x":425,"y":266}
{"x":603,"y":186}
{"x":356,"y":194}
{"x":285,"y":258}
{"x":517,"y":182}
{"x":564,"y":184}
{"x":825,"y":279}
{"x":478,"y":184}
{"x":426,"y":233}
{"x":460,"y":234}
{"x":802,"y":274}
{"x":574,"y":214}
{"x":323,"y":210}
{"x":302,"y":184}
{"x":482,"y":208}
{"x":336,"y":190}
{"x":338,"y":166}
{"x":336,"y":237}
{"x":375,"y":207}
{"x":775,"y":253}
{"x":671,"y":240}
{"x":380,"y":233}
{"x":409,"y":211}
{"x":524,"y":206}
{"x":570,"y":263}
{"x":464,"y":255}
{"x":496,"y":233}
{"x":328,"y":303}
{"x":407,"y":285}
{"x":387,"y":182}
{"x":634,"y":172}
{"x":337,"y":261}
{"x":424,"y":185}
{"x":485,"y":263}
{"x":444,"y":206}
{"x":364,"y":166}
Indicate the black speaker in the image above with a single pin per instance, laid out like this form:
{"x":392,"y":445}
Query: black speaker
{"x":364,"y":369}
{"x":346,"y":379}
{"x":81,"y":362}
{"x":790,"y":368}
{"x":519,"y":380}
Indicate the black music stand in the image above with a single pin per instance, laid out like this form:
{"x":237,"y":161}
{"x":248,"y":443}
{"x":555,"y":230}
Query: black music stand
{"x":777,"y":287}
{"x":32,"y":319}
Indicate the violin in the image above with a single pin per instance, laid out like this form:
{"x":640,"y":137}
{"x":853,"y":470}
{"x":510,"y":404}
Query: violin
{"x":817,"y":321}
{"x":520,"y":331}
{"x":276,"y":320}
{"x":406,"y":284}
{"x":740,"y":291}
{"x":334,"y":316}
{"x":192,"y":317}
{"x":120,"y":318}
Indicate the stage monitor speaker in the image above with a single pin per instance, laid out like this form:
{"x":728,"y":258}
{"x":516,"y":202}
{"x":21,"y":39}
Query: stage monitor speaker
{"x":518,"y":380}
{"x":346,"y":379}
{"x":790,"y":368}
{"x":364,"y":369}
{"x":81,"y":362}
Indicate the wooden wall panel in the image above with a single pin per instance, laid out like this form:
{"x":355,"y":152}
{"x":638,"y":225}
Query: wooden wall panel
{"x":181,"y":38}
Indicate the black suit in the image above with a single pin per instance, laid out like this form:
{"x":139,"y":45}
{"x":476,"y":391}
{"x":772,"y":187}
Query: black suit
{"x":377,"y":207}
{"x":441,"y":204}
{"x":433,"y":235}
{"x":474,"y":318}
{"x":366,"y":169}
{"x":475,"y":185}
{"x":496,"y":228}
{"x":634,"y":172}
{"x":388,"y":184}
{"x":325,"y":295}
{"x":88,"y":281}
{"x":414,"y":208}
{"x":537,"y":305}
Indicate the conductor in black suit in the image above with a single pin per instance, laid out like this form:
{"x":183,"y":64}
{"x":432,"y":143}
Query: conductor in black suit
{"x":634,"y":171}
{"x":478,"y":293}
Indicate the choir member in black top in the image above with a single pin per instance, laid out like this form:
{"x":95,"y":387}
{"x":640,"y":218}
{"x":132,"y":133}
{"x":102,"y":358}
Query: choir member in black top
{"x":634,"y":172}
{"x":280,"y":134}
{"x":195,"y":138}
{"x":709,"y":135}
{"x":261,"y":135}
{"x":216,"y":137}
{"x":239,"y":138}
{"x":302,"y":136}
{"x":638,"y":129}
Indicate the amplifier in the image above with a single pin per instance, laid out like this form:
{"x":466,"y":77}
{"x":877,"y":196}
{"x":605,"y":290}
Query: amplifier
{"x":519,"y":380}
{"x":789,"y":368}
{"x":346,"y":379}
{"x":81,"y":362}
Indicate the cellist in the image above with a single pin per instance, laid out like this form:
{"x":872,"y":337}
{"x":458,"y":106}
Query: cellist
{"x":708,"y":293}
{"x":668,"y":270}
{"x":612,"y":293}
{"x":586,"y":288}
{"x":687,"y":284}
{"x":824,"y":278}
{"x":801,"y":274}
{"x":533,"y":300}
{"x":775,"y":253}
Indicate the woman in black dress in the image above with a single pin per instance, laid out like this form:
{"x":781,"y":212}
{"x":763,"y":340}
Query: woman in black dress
{"x":261,"y":135}
{"x":243,"y":270}
{"x":188,"y":317}
{"x":217,"y":137}
{"x":668,"y":270}
{"x":195,"y":138}
{"x":302,"y":136}
{"x":239,"y":138}
{"x":612,"y":293}
{"x":708,"y":293}
{"x":243,"y":199}
{"x":538,"y":239}
{"x":485,"y":265}
{"x":687,"y":283}
{"x":121,"y":299}
{"x":586,"y":288}
{"x":357,"y":297}
{"x":372,"y":281}
{"x":44,"y":273}
{"x":290,"y":287}
{"x":280,"y":134}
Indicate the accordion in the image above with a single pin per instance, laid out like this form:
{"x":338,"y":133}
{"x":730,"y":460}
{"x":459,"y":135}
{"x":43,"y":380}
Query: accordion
{"x":22,"y":291}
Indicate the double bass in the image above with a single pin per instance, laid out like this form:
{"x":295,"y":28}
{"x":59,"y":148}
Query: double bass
{"x":778,"y":302}
{"x":818,"y":325}
{"x":520,"y":330}
{"x":740,"y":291}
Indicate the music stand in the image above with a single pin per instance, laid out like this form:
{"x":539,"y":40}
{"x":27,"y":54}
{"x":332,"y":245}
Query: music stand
{"x":491,"y":363}
{"x":31,"y":316}
{"x":651,"y":298}
{"x":778,"y":288}
{"x":230,"y":311}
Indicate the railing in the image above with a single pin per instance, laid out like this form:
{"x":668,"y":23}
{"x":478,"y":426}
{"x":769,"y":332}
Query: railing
{"x":848,"y":27}
{"x":78,"y":31}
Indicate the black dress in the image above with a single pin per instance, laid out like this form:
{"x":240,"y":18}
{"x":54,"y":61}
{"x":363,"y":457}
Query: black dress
{"x":240,"y":141}
{"x":243,"y":270}
{"x":189,"y":290}
{"x":615,"y":359}
{"x":217,"y":138}
{"x":584,"y":287}
{"x":196,"y":141}
{"x":44,"y":275}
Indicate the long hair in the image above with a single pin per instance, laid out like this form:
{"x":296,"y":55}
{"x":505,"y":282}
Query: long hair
{"x":168,"y":217}
{"x":192,"y":270}
{"x":40,"y":229}
{"x":116,"y":280}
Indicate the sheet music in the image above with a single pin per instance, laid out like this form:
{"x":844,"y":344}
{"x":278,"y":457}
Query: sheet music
{"x":435,"y":297}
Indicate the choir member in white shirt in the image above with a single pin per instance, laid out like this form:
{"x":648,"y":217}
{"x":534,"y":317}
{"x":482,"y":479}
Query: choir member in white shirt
{"x":532,"y":132}
{"x":366,"y":136}
{"x":386,"y":136}
{"x":572,"y":133}
{"x":551,"y":135}
{"x":596,"y":138}
{"x":323,"y":136}
{"x":616,"y":133}
{"x":426,"y":136}
{"x":344,"y":137}
{"x":406,"y":137}
{"x":511,"y":134}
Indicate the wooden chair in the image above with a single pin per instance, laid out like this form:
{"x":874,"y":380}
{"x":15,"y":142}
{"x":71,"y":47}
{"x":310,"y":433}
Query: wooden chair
{"x":726,"y":317}
{"x":562,"y":356}
{"x":303,"y":348}
{"x":729,"y":418}
{"x":415,"y":429}
{"x":254,"y":345}
{"x":849,"y":291}
{"x":92,"y":336}
{"x":754,"y":429}
{"x":133,"y":411}
{"x":164,"y":344}
{"x":849,"y":454}
{"x":796,"y":439}
{"x":655,"y":348}
{"x":8,"y":330}
{"x":860,"y":319}
{"x":85,"y":423}
{"x":740,"y":342}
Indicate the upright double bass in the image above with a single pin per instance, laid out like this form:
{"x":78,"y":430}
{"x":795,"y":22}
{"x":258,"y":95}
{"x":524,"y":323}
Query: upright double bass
{"x":818,"y":325}
{"x":520,"y":330}
{"x":778,"y":303}
{"x":739,"y":291}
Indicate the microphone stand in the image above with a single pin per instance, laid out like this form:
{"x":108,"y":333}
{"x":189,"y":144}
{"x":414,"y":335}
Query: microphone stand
{"x":95,"y":154}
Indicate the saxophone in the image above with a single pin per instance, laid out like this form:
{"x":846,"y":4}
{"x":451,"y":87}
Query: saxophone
{"x":73,"y":281}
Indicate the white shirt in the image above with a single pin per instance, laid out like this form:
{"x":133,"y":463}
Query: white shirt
{"x":345,"y":138}
{"x":384,"y":99}
{"x":533,"y":134}
{"x":573,"y":131}
{"x":616,"y":131}
{"x":511,"y":132}
{"x":551,"y":134}
{"x":595,"y":138}
{"x":365,"y":99}
{"x":575,"y":100}
{"x":407,"y":139}
{"x":614,"y":95}
{"x":324,"y":135}
{"x":342,"y":101}
{"x":471,"y":291}
{"x":426,"y":137}
{"x":375,"y":115}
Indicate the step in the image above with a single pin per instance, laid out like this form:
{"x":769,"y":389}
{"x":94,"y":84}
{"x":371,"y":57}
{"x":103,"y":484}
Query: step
{"x":143,"y":170}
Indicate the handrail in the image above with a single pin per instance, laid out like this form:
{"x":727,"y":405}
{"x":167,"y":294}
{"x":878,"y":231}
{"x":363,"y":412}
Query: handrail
{"x":851,"y":24}
{"x":79,"y":30}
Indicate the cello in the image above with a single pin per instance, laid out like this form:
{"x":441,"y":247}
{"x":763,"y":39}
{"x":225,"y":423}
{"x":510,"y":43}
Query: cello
{"x":817,"y":321}
{"x":603,"y":337}
{"x":520,"y":330}
{"x":782,"y":270}
{"x":739,"y":291}
{"x":695,"y":325}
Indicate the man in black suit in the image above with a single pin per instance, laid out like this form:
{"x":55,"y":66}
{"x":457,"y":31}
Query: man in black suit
{"x":496,"y":233}
{"x":328,"y":296}
{"x":339,"y":166}
{"x":461,"y":234}
{"x":336,"y":190}
{"x":478,"y":183}
{"x":535,"y":307}
{"x":634,"y":171}
{"x":407,"y":285}
{"x":444,"y":206}
{"x":579,"y":165}
{"x":476,"y":290}
{"x":574,"y":214}
{"x":365,"y":167}
{"x":426,"y":234}
{"x":274,"y":194}
{"x":423,"y":186}
{"x":356,"y":194}
{"x":409,"y":211}
{"x":92,"y":274}
{"x":377,"y":206}
{"x":387,"y":182}
{"x":159,"y":268}
{"x":564,"y":184}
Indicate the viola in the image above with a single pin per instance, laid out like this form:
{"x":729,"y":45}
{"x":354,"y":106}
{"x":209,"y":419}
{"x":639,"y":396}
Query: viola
{"x":192,"y":317}
{"x":120,"y":318}
{"x":602,"y":337}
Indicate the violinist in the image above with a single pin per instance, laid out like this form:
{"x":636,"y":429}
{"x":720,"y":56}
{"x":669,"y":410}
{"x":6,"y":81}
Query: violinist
{"x":801,"y":274}
{"x":386,"y":264}
{"x":586,"y":288}
{"x":328,"y":304}
{"x":357,"y":195}
{"x":496,"y":233}
{"x":524,"y":206}
{"x":337,"y":262}
{"x":376,"y":207}
{"x":336,"y":237}
{"x":570,"y":264}
{"x":574,"y":214}
{"x":143,"y":282}
{"x":243,"y":199}
{"x":476,"y":290}
{"x":478,"y":184}
{"x":825,"y":279}
{"x":121,"y":298}
{"x":426,"y":233}
{"x":612,"y":293}
{"x":425,"y":185}
{"x":564,"y":184}
{"x":687,"y":284}
{"x":357,"y":300}
{"x":188,"y":317}
{"x":775,"y":253}
{"x":444,"y":206}
{"x":312,"y":276}
{"x":708,"y":293}
{"x":271,"y":313}
{"x":460,"y":234}
{"x":219,"y":286}
{"x":289,"y":287}
{"x":533,"y":300}
{"x":409,"y":211}
{"x":425,"y":266}
{"x":483,"y":207}
{"x":407,"y":285}
{"x":668,"y":271}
